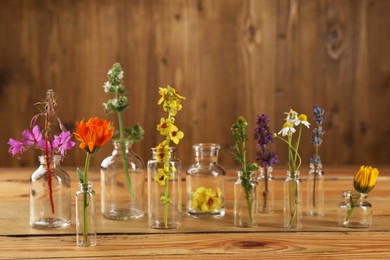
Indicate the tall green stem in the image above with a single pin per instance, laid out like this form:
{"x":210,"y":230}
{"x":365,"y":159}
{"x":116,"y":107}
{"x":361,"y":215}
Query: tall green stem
{"x":124,"y":157}
{"x":246,"y":182}
{"x":86,"y":204}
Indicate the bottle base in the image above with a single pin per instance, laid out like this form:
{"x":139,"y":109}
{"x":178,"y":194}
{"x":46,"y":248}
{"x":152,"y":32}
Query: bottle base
{"x":123,"y":214}
{"x":202,"y":215}
{"x":44,"y":223}
{"x":355,"y":225}
{"x":86,"y":243}
{"x":161,"y":225}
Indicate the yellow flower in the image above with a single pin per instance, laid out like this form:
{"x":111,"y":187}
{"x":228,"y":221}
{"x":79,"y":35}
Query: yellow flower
{"x":163,"y":92}
{"x":206,"y":200}
{"x":161,"y":177}
{"x":365,"y":179}
{"x":175,"y":134}
{"x":164,"y":126}
{"x":162,"y":151}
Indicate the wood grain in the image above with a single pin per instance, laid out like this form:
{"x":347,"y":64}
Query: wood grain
{"x":216,"y":239}
{"x":228,"y":57}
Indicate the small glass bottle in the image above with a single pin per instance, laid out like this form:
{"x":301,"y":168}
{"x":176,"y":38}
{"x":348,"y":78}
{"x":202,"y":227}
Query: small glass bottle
{"x":315,"y":190}
{"x":85,"y":216}
{"x":118,"y":201}
{"x":355,"y":211}
{"x":50,"y":205}
{"x":245,"y":201}
{"x":205,"y":183}
{"x":164,"y":201}
{"x":292,"y":201}
{"x":265,"y":191}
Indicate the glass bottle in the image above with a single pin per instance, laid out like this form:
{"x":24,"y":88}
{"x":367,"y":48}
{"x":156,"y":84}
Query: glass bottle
{"x":117,"y":201}
{"x":168,"y":215}
{"x":265,"y":191}
{"x":205,"y":183}
{"x":292,"y":201}
{"x":315,"y":190}
{"x":85,"y":216}
{"x":355,"y":211}
{"x":244,"y":201}
{"x":50,"y":207}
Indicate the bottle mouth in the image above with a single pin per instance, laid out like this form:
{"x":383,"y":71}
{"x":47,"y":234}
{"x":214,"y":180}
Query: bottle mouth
{"x":206,"y":146}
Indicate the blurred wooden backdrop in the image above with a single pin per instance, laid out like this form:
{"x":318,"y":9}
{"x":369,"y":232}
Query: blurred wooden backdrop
{"x":228,"y":57}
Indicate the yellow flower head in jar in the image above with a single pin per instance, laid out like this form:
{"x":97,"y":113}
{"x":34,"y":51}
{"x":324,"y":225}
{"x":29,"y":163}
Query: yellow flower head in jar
{"x":206,"y":200}
{"x":365,"y":179}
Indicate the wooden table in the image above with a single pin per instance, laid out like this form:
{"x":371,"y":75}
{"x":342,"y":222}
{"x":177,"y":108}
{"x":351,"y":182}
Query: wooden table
{"x":320,"y":237}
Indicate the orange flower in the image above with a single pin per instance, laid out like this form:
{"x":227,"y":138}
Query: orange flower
{"x":93,"y":134}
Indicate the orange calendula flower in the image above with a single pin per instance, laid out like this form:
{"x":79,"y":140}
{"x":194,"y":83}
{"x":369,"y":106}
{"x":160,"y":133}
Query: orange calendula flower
{"x":93,"y":134}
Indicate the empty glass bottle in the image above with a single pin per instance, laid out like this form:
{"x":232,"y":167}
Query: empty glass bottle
{"x":205,"y":183}
{"x":117,"y":200}
{"x":50,"y":195}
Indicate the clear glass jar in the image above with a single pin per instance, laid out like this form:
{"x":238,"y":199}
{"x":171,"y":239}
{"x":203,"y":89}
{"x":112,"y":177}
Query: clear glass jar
{"x":118,"y":200}
{"x":205,"y":183}
{"x":315,"y":190}
{"x":265,"y":191}
{"x":85,"y":216}
{"x":164,"y":212}
{"x":245,"y":200}
{"x":355,"y":211}
{"x":50,"y":207}
{"x":292,"y":201}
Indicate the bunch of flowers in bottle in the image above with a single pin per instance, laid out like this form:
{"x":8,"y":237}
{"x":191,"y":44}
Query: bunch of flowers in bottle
{"x":117,"y":105}
{"x":92,"y":135}
{"x":292,"y":191}
{"x":171,"y":102}
{"x":363,"y":182}
{"x":238,"y":130}
{"x":265,"y":156}
{"x":45,"y":140}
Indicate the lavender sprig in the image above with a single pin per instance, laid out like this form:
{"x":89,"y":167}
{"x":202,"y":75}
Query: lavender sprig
{"x":264,"y":136}
{"x":317,"y":133}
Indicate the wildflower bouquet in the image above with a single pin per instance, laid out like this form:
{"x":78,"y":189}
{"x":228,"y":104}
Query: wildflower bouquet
{"x":45,"y":140}
{"x":92,"y":135}
{"x":292,"y":192}
{"x":265,"y":157}
{"x":118,"y":104}
{"x":239,"y":153}
{"x":171,"y":102}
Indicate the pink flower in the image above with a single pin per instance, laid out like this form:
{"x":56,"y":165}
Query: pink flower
{"x":15,"y":146}
{"x":31,"y":138}
{"x":63,"y":143}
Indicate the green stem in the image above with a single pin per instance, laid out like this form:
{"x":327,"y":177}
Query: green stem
{"x":246,"y":182}
{"x":85,"y":184}
{"x":166,"y":192}
{"x":124,"y":158}
{"x":353,"y":205}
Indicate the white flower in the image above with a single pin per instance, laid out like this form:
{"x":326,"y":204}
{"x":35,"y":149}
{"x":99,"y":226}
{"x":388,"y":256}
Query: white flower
{"x":292,"y":117}
{"x":107,"y":87}
{"x":302,"y":119}
{"x":287,"y":128}
{"x":120,"y":75}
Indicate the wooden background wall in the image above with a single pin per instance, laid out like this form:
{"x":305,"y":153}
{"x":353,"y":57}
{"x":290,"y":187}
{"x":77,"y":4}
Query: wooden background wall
{"x":228,"y":57}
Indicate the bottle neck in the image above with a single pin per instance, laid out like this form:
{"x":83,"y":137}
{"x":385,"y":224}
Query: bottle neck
{"x":53,"y":161}
{"x":157,"y":155}
{"x":206,"y":153}
{"x":85,"y":187}
{"x":118,"y":148}
{"x":293,"y":175}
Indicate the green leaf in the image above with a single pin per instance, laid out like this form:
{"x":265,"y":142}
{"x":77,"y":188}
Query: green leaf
{"x":135,"y":134}
{"x":80,"y":175}
{"x":121,"y":108}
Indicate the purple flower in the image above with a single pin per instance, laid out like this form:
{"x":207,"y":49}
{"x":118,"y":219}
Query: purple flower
{"x":15,"y":147}
{"x":63,"y":143}
{"x":31,"y":138}
{"x":318,"y":114}
{"x":264,"y":136}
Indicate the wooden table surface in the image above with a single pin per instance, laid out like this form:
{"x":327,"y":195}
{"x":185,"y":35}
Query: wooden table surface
{"x":320,"y":237}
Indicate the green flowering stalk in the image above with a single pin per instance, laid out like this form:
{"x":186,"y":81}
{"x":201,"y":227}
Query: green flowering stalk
{"x":118,"y":104}
{"x":239,"y":153}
